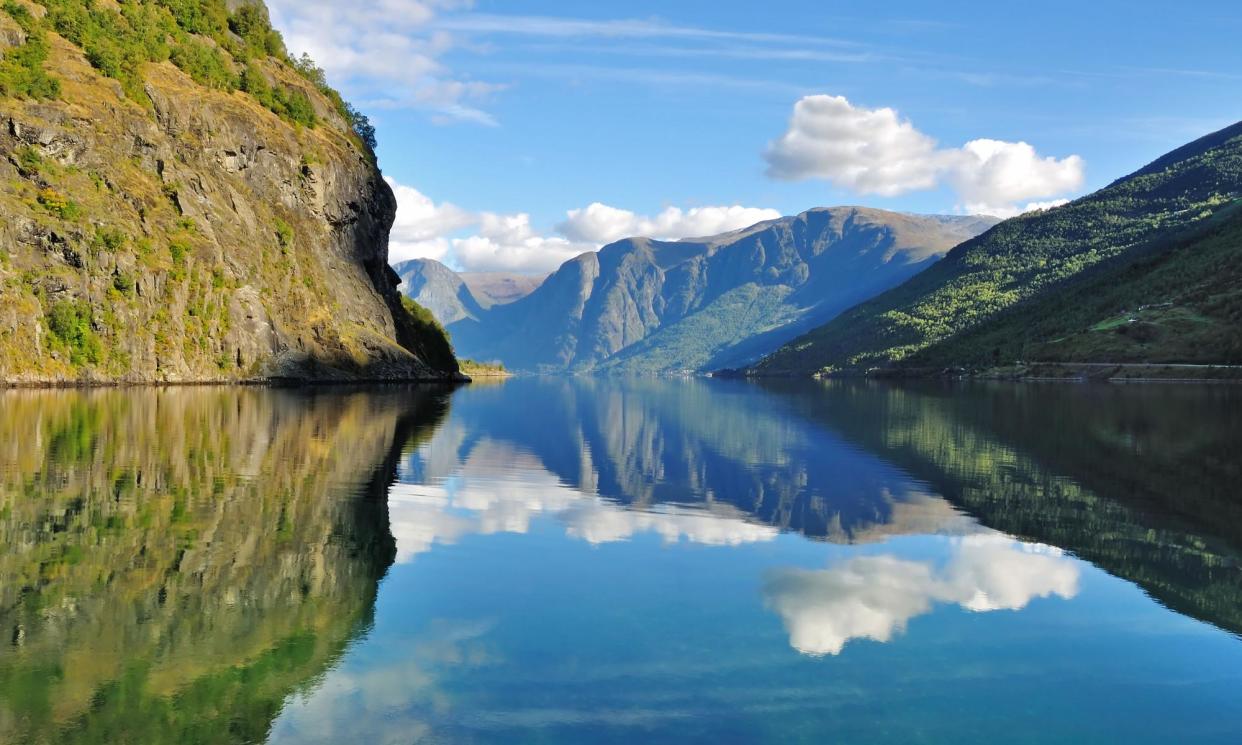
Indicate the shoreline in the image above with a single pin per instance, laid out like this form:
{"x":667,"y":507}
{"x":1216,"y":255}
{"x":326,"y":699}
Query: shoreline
{"x":1038,"y":372}
{"x":250,"y":383}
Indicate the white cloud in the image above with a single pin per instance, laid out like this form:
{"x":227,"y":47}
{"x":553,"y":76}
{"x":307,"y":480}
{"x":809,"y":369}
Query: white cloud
{"x":386,"y":52}
{"x":874,"y":597}
{"x":599,"y":223}
{"x":421,"y":225}
{"x":875,"y":151}
{"x":871,"y":151}
{"x":991,"y":174}
{"x":510,"y":243}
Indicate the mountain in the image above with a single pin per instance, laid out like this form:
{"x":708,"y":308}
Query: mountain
{"x":453,"y":296}
{"x":180,"y":200}
{"x":438,"y":289}
{"x":1176,"y":300}
{"x":1010,"y":293}
{"x":498,"y":288}
{"x":646,"y":306}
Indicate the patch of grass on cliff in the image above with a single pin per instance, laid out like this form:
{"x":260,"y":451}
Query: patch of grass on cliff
{"x":29,"y":161}
{"x":70,"y":324}
{"x":434,"y":346}
{"x":58,"y":204}
{"x":484,"y":369}
{"x":21,"y":68}
{"x":358,"y":121}
{"x":198,"y":36}
{"x":205,"y":64}
{"x":293,"y":105}
{"x":284,"y":235}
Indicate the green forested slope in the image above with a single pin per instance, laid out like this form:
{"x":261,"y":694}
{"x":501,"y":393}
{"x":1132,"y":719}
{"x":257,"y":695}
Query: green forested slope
{"x":1024,"y":258}
{"x":1178,"y":300}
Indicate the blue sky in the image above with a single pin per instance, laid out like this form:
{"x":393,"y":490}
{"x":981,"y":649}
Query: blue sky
{"x":497,"y":119}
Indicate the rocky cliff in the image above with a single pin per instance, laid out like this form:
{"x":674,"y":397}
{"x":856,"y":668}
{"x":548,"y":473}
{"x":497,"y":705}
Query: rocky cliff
{"x":182,"y":201}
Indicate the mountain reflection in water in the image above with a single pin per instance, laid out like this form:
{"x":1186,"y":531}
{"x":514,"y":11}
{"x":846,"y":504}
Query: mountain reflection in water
{"x":619,"y":560}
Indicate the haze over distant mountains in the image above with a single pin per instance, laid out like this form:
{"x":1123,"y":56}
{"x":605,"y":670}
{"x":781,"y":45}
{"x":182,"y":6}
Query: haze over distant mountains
{"x":647,"y":306}
{"x":453,"y":296}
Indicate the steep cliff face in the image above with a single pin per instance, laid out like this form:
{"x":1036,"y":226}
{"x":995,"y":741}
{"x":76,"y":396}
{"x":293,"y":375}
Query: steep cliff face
{"x":208,"y":216}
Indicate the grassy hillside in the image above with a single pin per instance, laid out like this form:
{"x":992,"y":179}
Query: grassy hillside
{"x":1024,"y":258}
{"x":1177,"y":300}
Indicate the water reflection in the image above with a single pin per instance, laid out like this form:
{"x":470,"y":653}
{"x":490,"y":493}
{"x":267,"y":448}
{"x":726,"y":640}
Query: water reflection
{"x":1142,"y":481}
{"x":619,"y":561}
{"x":176,"y":562}
{"x":873,"y":597}
{"x":480,"y":499}
{"x":726,"y":448}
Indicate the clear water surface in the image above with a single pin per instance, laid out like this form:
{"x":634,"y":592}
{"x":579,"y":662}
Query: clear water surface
{"x":594,"y":561}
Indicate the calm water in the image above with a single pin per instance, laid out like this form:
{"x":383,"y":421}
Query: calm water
{"x":550,"y":561}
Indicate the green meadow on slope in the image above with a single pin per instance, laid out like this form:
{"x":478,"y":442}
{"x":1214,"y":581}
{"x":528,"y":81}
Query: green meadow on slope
{"x":1040,"y":255}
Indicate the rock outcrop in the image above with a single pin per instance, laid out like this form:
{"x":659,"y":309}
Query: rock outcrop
{"x":183,"y":232}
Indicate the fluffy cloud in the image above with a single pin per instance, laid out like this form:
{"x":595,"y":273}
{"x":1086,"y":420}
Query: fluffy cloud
{"x":875,"y":151}
{"x":991,"y":174}
{"x":386,"y":52}
{"x":421,"y":225}
{"x":489,"y":241}
{"x":874,"y":597}
{"x":871,"y":151}
{"x":508,"y":243}
{"x":599,"y":223}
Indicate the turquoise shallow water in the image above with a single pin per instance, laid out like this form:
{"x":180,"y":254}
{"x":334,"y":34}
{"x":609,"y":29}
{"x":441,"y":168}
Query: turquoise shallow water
{"x":554,"y":561}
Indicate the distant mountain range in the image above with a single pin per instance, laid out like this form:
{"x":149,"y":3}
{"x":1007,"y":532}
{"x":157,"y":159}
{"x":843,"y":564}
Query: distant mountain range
{"x":454,"y":296}
{"x":1148,"y":269}
{"x":646,"y":306}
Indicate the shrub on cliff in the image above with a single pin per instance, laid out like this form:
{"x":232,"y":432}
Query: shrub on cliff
{"x":437,"y":349}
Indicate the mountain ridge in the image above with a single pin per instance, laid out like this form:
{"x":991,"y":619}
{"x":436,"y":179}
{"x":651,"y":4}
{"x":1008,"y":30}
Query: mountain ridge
{"x":611,"y":310}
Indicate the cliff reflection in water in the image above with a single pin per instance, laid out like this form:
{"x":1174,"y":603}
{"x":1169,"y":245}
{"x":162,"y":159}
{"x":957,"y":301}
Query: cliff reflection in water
{"x":175,"y":563}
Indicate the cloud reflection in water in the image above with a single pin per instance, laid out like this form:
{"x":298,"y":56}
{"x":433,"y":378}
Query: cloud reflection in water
{"x":424,"y":515}
{"x":874,"y":597}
